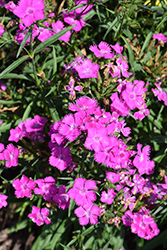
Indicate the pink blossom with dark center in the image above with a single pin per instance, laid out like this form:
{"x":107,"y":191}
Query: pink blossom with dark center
{"x":30,"y":11}
{"x":113,"y":177}
{"x":23,"y":187}
{"x":108,"y":197}
{"x":97,"y":138}
{"x":39,"y":215}
{"x":127,"y":218}
{"x":133,"y":94}
{"x":70,"y":126}
{"x":61,"y":198}
{"x":104,"y":50}
{"x":82,"y":191}
{"x":88,"y":213}
{"x":60,"y":157}
{"x":36,"y":124}
{"x":56,"y":137}
{"x":11,"y":154}
{"x":85,"y":104}
{"x":16,"y":134}
{"x":44,"y":185}
{"x":87,"y":69}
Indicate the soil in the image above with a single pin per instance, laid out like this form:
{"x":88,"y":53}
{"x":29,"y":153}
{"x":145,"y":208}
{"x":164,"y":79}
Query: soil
{"x":21,"y":240}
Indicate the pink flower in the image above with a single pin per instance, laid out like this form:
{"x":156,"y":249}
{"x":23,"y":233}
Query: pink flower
{"x":39,"y":216}
{"x":69,"y":126}
{"x":70,"y":19}
{"x":23,"y":187}
{"x":118,"y":49}
{"x":87,"y":69}
{"x":61,"y":198}
{"x":127,"y":218}
{"x":85,"y":104}
{"x":82,"y":191}
{"x":44,"y":33}
{"x":2,"y":86}
{"x":97,"y":138}
{"x":142,"y":112}
{"x":11,"y":154}
{"x":144,"y":226}
{"x":133,"y":94}
{"x":113,"y":177}
{"x":36,"y":124}
{"x":142,"y":161}
{"x":160,"y":37}
{"x":30,"y":11}
{"x":70,"y":87}
{"x":44,"y":185}
{"x":56,"y":137}
{"x":58,"y":26}
{"x":10,"y":6}
{"x":108,"y":198}
{"x":3,"y":202}
{"x":118,"y":105}
{"x":103,"y":51}
{"x":1,"y":30}
{"x":2,"y":3}
{"x":16,"y":134}
{"x":60,"y":158}
{"x":88,"y":213}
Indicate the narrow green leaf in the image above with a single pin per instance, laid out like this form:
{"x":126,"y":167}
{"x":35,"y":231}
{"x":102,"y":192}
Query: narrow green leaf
{"x":13,"y":66}
{"x":54,"y":61}
{"x":27,"y":35}
{"x":65,"y":247}
{"x":130,"y":52}
{"x":56,"y":236}
{"x":163,"y":20}
{"x":52,"y":39}
{"x":52,"y":89}
{"x":146,"y":43}
{"x":19,"y":226}
{"x":16,"y":76}
{"x":29,"y":108}
{"x":4,"y":102}
{"x":107,"y":244}
{"x":89,"y":230}
{"x":111,"y":25}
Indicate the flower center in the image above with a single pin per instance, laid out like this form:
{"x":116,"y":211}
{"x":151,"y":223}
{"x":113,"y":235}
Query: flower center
{"x":30,"y":11}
